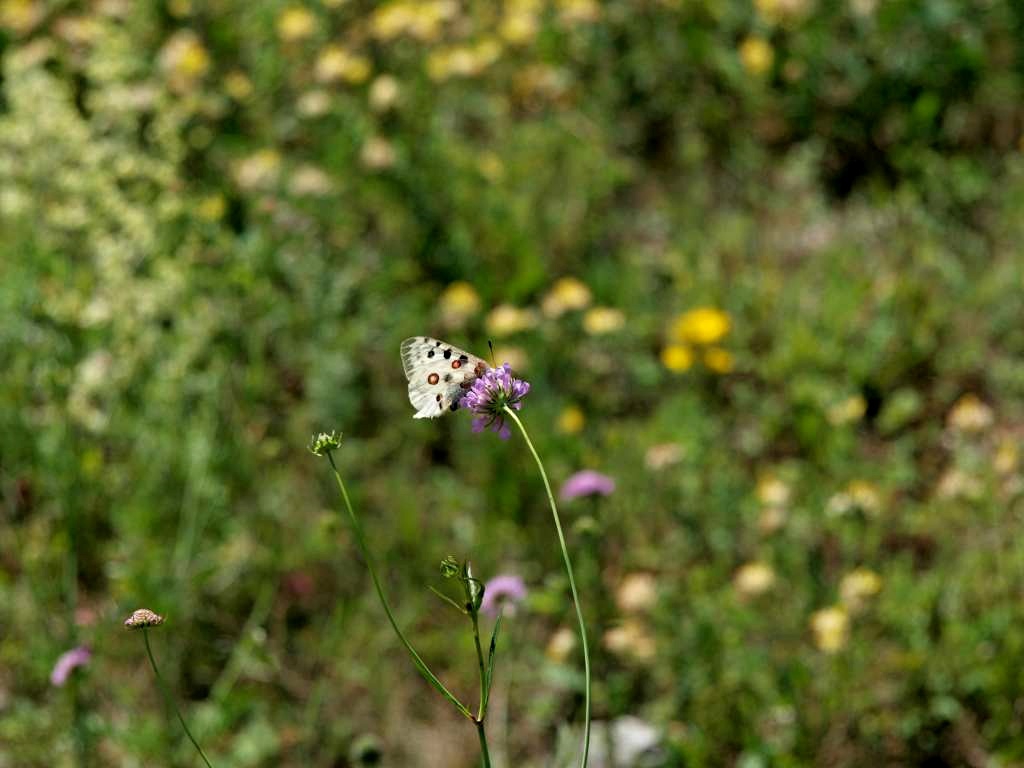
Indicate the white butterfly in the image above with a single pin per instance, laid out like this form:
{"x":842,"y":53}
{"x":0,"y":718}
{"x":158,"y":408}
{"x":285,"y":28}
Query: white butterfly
{"x":439,"y":374}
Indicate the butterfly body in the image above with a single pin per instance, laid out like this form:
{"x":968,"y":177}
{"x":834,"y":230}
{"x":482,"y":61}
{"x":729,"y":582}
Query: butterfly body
{"x":438,"y":374}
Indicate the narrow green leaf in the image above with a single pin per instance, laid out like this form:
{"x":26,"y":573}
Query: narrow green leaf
{"x":490,"y":663}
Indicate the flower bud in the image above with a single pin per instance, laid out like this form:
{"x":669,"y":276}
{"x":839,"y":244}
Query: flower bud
{"x":450,"y":567}
{"x":324,"y":443}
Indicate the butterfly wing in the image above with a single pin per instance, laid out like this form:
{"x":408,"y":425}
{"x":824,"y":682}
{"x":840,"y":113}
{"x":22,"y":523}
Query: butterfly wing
{"x":438,"y":374}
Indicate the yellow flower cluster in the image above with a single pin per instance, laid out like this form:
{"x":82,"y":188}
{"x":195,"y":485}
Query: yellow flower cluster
{"x":521,"y":21}
{"x":831,"y":628}
{"x":572,"y":420}
{"x":602,"y":320}
{"x":458,"y":303}
{"x":505,"y":320}
{"x":184,"y":60}
{"x":419,"y":19}
{"x":773,"y":495}
{"x":753,"y":579}
{"x":702,"y":327}
{"x":21,"y":16}
{"x":567,"y":294}
{"x":970,"y":414}
{"x":463,"y":60}
{"x":336,"y":64}
{"x":757,"y":55}
{"x":295,"y":23}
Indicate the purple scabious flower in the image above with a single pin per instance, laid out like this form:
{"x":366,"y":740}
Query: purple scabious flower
{"x":66,"y":664}
{"x":504,"y":590}
{"x":587,"y":482}
{"x":489,"y":395}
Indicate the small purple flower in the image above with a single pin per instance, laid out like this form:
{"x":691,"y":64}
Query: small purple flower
{"x":505,"y":590}
{"x":76,"y":657}
{"x":489,"y":395}
{"x":587,"y":482}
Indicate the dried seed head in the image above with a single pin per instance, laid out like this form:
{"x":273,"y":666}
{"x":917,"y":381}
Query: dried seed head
{"x":143,"y":618}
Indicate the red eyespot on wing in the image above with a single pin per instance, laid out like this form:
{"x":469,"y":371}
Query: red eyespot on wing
{"x":433,"y":378}
{"x":456,"y":363}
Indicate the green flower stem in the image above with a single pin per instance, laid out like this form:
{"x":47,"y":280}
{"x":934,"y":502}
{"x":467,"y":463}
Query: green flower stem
{"x":71,"y":606}
{"x":416,"y":660}
{"x":572,"y":585}
{"x":482,"y":711}
{"x":170,"y":701}
{"x":486,"y":756}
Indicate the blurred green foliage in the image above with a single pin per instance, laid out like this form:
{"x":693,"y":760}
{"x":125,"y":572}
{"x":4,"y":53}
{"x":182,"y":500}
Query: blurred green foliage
{"x":220,"y":218}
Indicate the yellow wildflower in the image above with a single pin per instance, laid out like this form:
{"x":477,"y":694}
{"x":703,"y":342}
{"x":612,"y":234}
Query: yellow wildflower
{"x":571,"y":421}
{"x":212,"y":207}
{"x":384,"y":93}
{"x":779,"y":11}
{"x":519,"y":27}
{"x":565,"y":295}
{"x":463,"y":60}
{"x":491,"y":166}
{"x":970,"y":414}
{"x":753,"y":579}
{"x":561,"y":644}
{"x":1007,"y":456}
{"x":719,"y":360}
{"x":578,"y":11}
{"x":857,"y":586}
{"x":631,"y":638}
{"x":757,"y":55}
{"x":378,"y":153}
{"x":458,"y":302}
{"x":504,"y":320}
{"x":336,"y":64}
{"x":831,"y":628}
{"x":773,"y":492}
{"x":21,"y":16}
{"x":310,"y":181}
{"x":258,"y":171}
{"x":314,"y":103}
{"x":849,"y":410}
{"x":601,"y":320}
{"x":421,"y":19}
{"x":704,"y":325}
{"x":184,"y":60}
{"x":637,"y":592}
{"x":677,"y":358}
{"x":295,"y":23}
{"x":237,"y":85}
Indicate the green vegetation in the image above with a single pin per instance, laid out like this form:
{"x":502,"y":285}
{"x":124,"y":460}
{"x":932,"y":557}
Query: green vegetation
{"x":761,"y":262}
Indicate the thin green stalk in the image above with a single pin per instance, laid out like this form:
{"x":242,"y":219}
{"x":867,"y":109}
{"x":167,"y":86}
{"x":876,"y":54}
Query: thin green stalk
{"x":71,"y":601}
{"x":480,"y":662}
{"x":169,"y":699}
{"x":572,"y":585}
{"x":485,"y":755}
{"x":482,"y":711}
{"x":416,"y":660}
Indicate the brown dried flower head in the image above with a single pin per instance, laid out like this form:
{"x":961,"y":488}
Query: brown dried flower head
{"x":143,"y":618}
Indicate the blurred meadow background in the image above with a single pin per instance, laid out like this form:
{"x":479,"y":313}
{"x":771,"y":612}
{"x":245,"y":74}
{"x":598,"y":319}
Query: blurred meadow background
{"x":762,"y":261}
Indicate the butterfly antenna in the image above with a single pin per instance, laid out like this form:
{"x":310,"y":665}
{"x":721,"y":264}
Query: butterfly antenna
{"x":490,"y":346}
